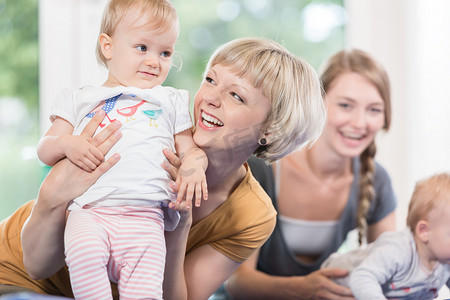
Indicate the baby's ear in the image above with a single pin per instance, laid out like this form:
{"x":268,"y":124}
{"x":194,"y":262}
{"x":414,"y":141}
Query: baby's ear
{"x":423,"y":230}
{"x":106,"y":45}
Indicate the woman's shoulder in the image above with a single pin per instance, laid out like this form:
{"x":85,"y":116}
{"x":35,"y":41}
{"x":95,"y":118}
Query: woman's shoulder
{"x":263,"y":173}
{"x":240,"y":225}
{"x":381,"y":175}
{"x":14,"y":223}
{"x":250,"y":193}
{"x":380,"y":170}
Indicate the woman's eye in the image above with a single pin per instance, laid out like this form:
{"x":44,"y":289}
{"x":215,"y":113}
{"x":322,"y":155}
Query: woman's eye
{"x":344,"y":105}
{"x":210,"y":80}
{"x":236,"y":96}
{"x":141,"y":48}
{"x":376,"y":110}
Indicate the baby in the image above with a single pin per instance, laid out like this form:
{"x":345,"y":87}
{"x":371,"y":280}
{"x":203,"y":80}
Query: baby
{"x":410,"y":264}
{"x":115,"y":230}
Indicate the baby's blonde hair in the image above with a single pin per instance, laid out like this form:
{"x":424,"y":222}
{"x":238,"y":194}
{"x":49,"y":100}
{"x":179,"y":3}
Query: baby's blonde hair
{"x":292,"y":86}
{"x":161,"y":14}
{"x":360,"y":62}
{"x":429,"y":194}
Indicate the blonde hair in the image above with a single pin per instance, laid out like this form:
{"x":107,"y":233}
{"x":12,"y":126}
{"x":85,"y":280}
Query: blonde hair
{"x":429,"y":194}
{"x":362,"y":63}
{"x":292,"y":86}
{"x":160,"y":13}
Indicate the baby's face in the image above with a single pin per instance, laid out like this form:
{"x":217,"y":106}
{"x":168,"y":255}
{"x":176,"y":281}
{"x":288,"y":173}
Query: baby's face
{"x":140,"y":54}
{"x":439,"y":235}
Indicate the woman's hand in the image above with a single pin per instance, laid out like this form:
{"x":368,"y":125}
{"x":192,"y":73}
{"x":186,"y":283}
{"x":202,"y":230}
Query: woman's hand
{"x":319,"y":285}
{"x":249,"y":283}
{"x":173,"y":163}
{"x":65,"y":181}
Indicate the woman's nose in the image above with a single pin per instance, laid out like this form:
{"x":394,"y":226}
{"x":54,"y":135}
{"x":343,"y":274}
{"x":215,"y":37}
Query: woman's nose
{"x":212,"y":99}
{"x":359,"y":119}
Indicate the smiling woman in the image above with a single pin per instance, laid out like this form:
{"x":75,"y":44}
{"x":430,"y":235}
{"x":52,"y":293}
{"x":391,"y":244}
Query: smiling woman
{"x":335,"y":186}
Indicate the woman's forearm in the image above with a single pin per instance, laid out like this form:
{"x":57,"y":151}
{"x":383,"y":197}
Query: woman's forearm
{"x":43,"y":239}
{"x":175,"y":286}
{"x":252,"y":284}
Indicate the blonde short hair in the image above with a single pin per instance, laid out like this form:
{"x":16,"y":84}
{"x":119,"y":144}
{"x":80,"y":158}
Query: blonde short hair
{"x":160,"y":13}
{"x":292,"y":86}
{"x":429,"y":194}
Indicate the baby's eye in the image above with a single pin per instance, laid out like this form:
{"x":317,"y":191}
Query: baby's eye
{"x":142,"y":48}
{"x":166,"y":54}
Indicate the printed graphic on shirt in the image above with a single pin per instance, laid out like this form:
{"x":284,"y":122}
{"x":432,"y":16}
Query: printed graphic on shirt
{"x":152,"y":115}
{"x":128,"y":112}
{"x":107,"y":105}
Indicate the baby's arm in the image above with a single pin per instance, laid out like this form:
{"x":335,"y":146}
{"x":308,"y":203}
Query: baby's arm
{"x":389,"y":255}
{"x":59,"y":143}
{"x":191,"y":179}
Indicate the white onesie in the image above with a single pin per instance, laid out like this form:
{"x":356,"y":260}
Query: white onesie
{"x":150,"y":118}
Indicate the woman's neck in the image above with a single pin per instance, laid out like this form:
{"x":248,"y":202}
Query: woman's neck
{"x":326,"y":163}
{"x":222,"y":179}
{"x":222,"y":171}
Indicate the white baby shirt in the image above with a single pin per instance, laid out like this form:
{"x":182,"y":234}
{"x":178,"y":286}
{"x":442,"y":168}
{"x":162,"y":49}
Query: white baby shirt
{"x":150,"y":118}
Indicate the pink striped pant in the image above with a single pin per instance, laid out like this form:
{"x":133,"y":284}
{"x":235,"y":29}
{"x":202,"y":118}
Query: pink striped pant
{"x":124,"y":245}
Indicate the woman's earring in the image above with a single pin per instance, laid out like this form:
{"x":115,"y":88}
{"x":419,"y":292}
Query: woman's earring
{"x":262,"y":141}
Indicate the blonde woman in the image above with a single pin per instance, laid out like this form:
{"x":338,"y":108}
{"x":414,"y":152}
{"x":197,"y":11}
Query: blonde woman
{"x":324,"y":192}
{"x":255,"y":97}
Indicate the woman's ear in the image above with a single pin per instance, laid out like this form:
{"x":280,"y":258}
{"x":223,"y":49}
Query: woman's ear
{"x":423,"y":230}
{"x":106,"y":45}
{"x":265,"y":139}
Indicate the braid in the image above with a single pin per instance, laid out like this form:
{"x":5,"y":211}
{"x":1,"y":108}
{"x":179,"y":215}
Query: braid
{"x":366,"y":189}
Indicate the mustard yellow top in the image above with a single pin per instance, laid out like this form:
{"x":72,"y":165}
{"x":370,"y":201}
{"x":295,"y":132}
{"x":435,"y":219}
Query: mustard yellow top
{"x":12,"y":270}
{"x":238,"y":226}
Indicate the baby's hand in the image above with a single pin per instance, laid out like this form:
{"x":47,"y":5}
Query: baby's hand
{"x":191,"y":180}
{"x":82,"y":153}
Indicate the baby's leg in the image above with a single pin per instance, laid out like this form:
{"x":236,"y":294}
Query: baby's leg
{"x":141,"y":248}
{"x":87,"y":255}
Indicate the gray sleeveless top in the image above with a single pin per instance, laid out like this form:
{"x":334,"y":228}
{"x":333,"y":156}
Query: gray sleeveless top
{"x":276,"y":259}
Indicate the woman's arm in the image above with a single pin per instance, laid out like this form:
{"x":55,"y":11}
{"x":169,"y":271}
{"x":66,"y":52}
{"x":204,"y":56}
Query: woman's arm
{"x":201,"y":272}
{"x":249,"y":283}
{"x":43,"y":232}
{"x":196,"y":275}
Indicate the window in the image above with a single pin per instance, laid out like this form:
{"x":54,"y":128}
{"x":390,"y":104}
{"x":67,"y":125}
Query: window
{"x":20,"y":174}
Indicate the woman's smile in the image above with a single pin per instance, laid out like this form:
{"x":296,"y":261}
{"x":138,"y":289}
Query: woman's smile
{"x":209,"y":121}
